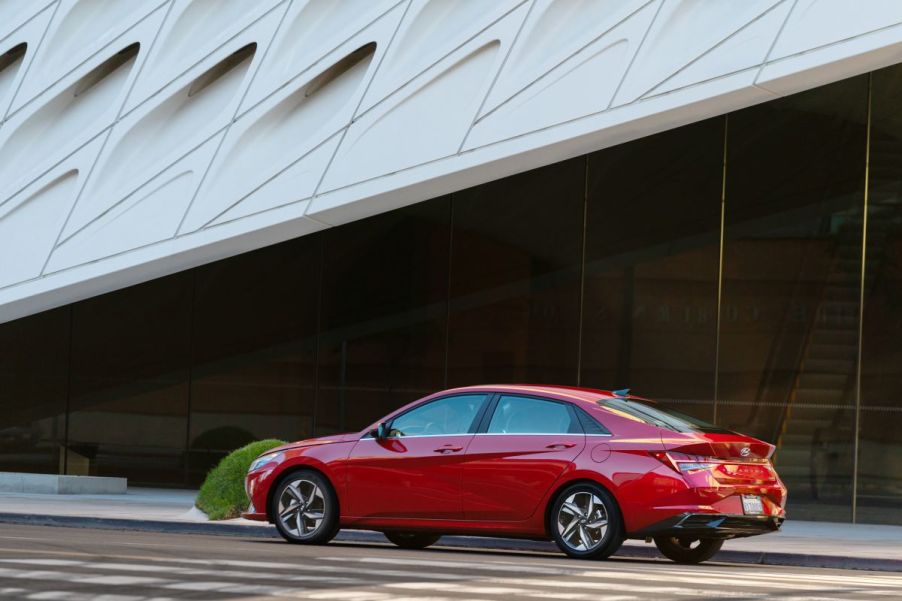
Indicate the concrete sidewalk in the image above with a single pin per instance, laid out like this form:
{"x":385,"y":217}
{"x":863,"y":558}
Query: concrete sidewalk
{"x":808,"y":544}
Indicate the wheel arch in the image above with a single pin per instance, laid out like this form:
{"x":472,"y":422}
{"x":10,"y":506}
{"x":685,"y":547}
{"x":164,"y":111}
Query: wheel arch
{"x":292,"y":469}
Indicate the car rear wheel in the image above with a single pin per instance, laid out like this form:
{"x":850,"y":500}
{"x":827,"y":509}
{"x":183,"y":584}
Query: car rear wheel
{"x":304,"y":508}
{"x":412,"y":540}
{"x":585,"y":522}
{"x":688,"y":550}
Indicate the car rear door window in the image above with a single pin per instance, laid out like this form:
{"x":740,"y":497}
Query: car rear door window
{"x":528,"y":415}
{"x":443,"y":417}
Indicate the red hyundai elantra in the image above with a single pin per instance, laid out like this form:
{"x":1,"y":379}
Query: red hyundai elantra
{"x":586,"y":468}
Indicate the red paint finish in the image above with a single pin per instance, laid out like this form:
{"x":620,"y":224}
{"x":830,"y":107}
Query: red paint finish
{"x":506,"y":476}
{"x":501,"y":484}
{"x":409,"y":477}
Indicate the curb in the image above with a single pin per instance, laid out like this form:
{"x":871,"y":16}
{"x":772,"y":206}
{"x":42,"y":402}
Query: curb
{"x":648,"y":552}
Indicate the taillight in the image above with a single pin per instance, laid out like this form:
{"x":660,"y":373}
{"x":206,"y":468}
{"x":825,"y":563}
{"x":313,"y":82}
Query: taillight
{"x":690,"y":467}
{"x":665,"y":458}
{"x":679,"y":464}
{"x":724,"y":470}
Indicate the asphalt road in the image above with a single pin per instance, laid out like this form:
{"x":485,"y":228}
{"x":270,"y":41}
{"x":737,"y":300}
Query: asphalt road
{"x":74,"y":564}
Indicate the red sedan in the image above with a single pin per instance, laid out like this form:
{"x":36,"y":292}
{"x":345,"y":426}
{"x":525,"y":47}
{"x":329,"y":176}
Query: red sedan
{"x":586,"y":468}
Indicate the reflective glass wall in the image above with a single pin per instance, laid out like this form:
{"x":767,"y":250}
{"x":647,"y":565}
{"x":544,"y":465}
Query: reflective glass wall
{"x":746,"y":269}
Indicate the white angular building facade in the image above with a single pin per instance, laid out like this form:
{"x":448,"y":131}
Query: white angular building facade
{"x":141,"y":138}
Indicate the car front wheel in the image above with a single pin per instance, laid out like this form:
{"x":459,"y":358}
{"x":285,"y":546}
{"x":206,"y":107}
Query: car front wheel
{"x":688,"y":550}
{"x":304,"y":508}
{"x":585,"y":522}
{"x":412,"y":540}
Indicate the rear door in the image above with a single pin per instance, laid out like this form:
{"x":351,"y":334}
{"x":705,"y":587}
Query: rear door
{"x":523,"y":446}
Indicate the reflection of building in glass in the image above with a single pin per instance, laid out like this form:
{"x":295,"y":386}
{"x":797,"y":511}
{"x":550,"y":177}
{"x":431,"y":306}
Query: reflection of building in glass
{"x":717,"y":267}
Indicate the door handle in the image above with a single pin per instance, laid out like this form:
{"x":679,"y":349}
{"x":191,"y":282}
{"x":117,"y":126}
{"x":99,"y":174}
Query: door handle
{"x":449,"y":448}
{"x":561,"y":445}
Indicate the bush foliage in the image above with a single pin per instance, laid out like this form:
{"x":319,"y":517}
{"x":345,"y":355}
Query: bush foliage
{"x":222,"y":495}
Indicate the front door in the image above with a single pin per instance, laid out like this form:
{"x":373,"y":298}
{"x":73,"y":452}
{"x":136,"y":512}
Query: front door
{"x":528,"y":444}
{"x":416,"y":471}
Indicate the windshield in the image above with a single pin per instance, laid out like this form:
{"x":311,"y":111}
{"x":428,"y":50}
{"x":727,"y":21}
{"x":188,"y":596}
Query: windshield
{"x":663,"y":418}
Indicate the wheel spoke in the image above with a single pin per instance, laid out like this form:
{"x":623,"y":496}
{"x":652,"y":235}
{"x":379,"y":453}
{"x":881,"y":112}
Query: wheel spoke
{"x":313,"y":515}
{"x":600,"y":523}
{"x":590,"y":508}
{"x":584,"y":536}
{"x":572,"y":509}
{"x":295,"y":492}
{"x":289,"y":510}
{"x":570,"y":528}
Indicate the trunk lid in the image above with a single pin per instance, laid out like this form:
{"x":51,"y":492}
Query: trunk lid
{"x":731,"y":445}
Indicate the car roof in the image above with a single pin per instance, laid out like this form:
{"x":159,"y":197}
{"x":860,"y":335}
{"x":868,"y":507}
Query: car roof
{"x":571,"y":393}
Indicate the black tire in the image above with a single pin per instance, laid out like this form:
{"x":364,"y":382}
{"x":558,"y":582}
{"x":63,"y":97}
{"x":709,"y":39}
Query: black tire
{"x":604,"y":540}
{"x":412,"y":540}
{"x":295,"y":527}
{"x":688,"y":550}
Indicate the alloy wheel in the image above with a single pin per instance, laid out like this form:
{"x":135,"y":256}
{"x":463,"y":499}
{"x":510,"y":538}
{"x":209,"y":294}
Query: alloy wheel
{"x":302,"y":508}
{"x":582,"y":521}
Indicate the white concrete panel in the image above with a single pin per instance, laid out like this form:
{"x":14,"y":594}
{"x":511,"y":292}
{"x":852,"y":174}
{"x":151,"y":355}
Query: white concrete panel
{"x":14,"y":63}
{"x":15,"y":13}
{"x":745,"y":49}
{"x":293,"y":185}
{"x":194,"y":107}
{"x":193,"y":30}
{"x":443,"y":101}
{"x":874,"y":50}
{"x":310,"y":32}
{"x":290,"y":123}
{"x":683,"y":31}
{"x":79,"y":29}
{"x":433,"y":29}
{"x":554,"y":32}
{"x":30,"y":222}
{"x":582,"y":85}
{"x":12,"y":58}
{"x":149,"y":214}
{"x":73,"y":111}
{"x":816,"y":23}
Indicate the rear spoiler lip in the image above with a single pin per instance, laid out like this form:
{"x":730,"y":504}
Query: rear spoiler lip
{"x":698,"y":445}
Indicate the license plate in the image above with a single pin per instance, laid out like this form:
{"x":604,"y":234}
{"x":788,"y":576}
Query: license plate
{"x":751,"y":505}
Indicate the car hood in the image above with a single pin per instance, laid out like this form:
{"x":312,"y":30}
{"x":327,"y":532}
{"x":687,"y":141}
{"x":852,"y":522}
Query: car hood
{"x":312,"y":442}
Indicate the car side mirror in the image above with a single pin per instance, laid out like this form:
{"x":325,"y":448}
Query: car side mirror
{"x":380,"y":432}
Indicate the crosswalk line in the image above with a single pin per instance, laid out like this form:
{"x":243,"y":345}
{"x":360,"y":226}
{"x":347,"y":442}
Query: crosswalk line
{"x":616,"y":570}
{"x":466,"y":565}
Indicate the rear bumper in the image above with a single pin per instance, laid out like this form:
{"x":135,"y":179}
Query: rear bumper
{"x":712,"y":525}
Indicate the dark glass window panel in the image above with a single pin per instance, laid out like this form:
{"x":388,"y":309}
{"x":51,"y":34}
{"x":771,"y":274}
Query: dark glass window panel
{"x":34,"y":356}
{"x":514,"y":312}
{"x":791,"y":282}
{"x":880,"y":466}
{"x":129,"y":382}
{"x":651,"y":266}
{"x":445,"y":417}
{"x":254,"y":345}
{"x":524,"y":415}
{"x":382,"y":340}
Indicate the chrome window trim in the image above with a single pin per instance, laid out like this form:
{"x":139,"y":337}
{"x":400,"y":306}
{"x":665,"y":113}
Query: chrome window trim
{"x":532,"y":434}
{"x":368,"y":437}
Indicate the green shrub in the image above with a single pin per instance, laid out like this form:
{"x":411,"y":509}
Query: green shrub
{"x":222,"y":495}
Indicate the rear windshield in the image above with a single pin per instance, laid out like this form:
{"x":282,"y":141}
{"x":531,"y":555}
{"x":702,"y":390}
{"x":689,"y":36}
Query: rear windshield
{"x":663,"y":418}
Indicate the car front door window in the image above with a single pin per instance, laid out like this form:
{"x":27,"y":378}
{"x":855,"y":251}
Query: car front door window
{"x":444,"y":417}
